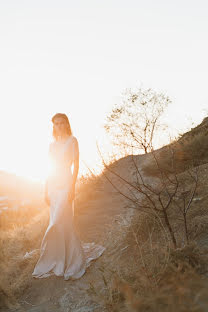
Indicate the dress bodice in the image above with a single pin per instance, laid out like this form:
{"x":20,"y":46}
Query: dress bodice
{"x":61,"y":156}
{"x":61,"y":153}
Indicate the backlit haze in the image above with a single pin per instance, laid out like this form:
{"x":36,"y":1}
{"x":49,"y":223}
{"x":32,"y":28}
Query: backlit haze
{"x":77,"y":57}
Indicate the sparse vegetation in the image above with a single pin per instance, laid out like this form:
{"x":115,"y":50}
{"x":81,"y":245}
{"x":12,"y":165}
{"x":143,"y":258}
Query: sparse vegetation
{"x":166,"y":276}
{"x":147,"y":265}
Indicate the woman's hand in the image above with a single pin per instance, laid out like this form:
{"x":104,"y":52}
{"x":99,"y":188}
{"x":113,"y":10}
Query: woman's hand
{"x":71,"y":194}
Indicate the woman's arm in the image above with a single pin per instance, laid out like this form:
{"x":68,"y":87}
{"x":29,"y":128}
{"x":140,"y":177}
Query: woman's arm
{"x":76,"y":160}
{"x":75,"y":169}
{"x":46,"y":182}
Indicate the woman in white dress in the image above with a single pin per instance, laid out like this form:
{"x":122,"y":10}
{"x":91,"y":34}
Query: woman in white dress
{"x":62,"y":253}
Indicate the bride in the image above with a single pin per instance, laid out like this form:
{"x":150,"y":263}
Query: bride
{"x":62,"y":253}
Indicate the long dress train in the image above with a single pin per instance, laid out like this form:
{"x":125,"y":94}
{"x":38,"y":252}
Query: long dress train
{"x":62,"y":253}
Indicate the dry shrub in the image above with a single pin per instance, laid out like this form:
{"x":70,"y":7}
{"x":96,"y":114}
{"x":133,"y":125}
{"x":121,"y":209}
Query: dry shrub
{"x":180,"y":286}
{"x":181,"y":292}
{"x":151,"y":276}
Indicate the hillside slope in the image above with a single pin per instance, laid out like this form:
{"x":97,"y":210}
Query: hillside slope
{"x":137,"y":272}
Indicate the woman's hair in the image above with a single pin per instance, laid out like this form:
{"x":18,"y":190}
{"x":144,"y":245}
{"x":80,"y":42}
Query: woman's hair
{"x":68,"y":126}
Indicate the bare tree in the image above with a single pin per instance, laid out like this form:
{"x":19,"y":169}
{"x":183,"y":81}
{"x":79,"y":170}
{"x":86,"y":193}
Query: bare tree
{"x":162,"y":200}
{"x":136,"y":120}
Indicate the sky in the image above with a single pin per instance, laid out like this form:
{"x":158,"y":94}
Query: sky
{"x":77,"y":57}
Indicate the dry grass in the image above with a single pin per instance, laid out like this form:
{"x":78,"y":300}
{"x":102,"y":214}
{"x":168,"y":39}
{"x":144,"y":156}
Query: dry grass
{"x":14,"y":243}
{"x":141,"y":271}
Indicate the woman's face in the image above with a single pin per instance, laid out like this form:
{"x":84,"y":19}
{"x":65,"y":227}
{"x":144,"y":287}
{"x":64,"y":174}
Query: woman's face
{"x":59,"y":125}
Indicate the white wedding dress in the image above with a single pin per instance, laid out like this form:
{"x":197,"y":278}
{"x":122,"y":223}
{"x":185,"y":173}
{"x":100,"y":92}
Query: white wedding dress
{"x":62,"y":253}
